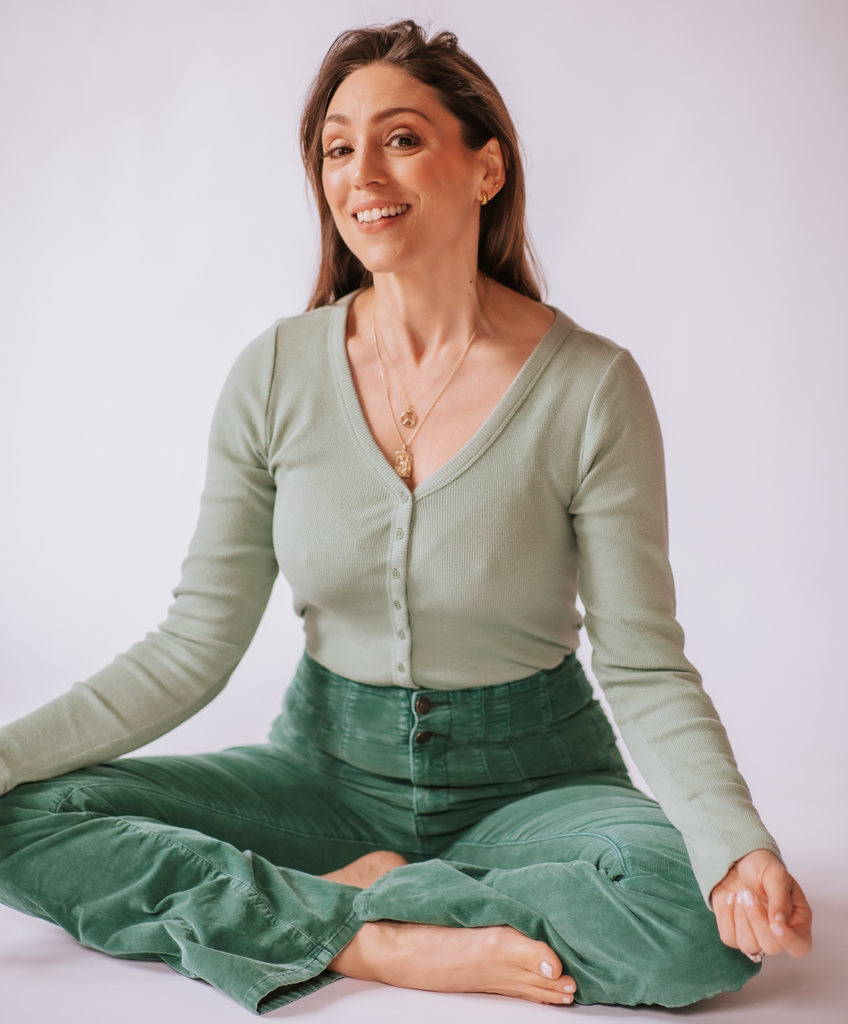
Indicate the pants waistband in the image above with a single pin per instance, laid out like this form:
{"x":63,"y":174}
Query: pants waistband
{"x":543,"y":725}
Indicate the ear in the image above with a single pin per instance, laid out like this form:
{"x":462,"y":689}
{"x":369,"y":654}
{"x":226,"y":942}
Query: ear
{"x":493,"y":166}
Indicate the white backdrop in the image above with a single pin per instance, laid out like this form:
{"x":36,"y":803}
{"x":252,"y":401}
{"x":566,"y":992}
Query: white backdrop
{"x":687,"y":165}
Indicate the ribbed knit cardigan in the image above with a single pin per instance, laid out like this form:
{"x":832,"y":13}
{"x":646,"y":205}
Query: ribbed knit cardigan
{"x":470,"y":580}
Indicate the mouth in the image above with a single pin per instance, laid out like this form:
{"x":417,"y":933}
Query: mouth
{"x":377,"y":214}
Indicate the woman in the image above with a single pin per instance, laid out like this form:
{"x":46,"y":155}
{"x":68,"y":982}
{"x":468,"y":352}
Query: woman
{"x":431,"y":456}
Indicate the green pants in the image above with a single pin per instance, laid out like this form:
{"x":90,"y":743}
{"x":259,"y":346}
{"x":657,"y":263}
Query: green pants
{"x":511,"y":802}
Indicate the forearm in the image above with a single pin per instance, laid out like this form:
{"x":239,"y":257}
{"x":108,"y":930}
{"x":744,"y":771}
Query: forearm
{"x":226,"y":582}
{"x":681,"y":747}
{"x":95,"y":721}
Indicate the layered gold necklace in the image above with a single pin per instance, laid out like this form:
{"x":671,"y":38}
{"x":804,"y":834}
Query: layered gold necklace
{"x":409,"y":419}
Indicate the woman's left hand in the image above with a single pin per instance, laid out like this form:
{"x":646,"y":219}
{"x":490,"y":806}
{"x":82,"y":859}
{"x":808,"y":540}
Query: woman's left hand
{"x":760,"y":907}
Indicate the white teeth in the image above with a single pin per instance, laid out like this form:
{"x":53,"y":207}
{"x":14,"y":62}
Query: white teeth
{"x":369,"y":216}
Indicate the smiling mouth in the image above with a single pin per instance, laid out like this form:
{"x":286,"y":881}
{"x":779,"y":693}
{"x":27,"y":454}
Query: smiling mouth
{"x":378,"y":213}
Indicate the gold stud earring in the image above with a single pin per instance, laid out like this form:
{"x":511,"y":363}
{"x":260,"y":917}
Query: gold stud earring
{"x":484,"y":200}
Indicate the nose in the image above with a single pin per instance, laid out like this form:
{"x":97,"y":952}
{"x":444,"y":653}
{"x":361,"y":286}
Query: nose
{"x":369,"y":168}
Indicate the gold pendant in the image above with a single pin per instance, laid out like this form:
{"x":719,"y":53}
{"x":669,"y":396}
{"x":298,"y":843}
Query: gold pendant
{"x":409,"y":419}
{"x":403,"y":463}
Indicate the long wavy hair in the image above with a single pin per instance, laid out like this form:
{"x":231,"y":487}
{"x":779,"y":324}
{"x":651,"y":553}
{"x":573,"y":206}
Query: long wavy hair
{"x":504,"y":249}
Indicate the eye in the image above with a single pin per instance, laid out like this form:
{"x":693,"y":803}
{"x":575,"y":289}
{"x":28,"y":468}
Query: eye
{"x":334,"y":152}
{"x":404,"y":140}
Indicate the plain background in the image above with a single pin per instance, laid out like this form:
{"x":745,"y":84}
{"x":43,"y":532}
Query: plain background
{"x":687,"y":166}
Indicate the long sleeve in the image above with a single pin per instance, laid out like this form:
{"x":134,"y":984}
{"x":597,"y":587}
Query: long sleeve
{"x":477,"y":575}
{"x":667,"y":720}
{"x":226,"y":583}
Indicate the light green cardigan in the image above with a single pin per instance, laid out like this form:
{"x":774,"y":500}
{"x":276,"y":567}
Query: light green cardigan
{"x":469,"y":581}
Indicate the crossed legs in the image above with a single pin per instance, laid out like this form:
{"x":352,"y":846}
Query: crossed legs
{"x":497,"y":959}
{"x":589,"y":878}
{"x":214,"y":865}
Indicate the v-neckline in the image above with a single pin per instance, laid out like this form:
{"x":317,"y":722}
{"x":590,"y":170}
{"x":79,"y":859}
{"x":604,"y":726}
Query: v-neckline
{"x":494,"y":423}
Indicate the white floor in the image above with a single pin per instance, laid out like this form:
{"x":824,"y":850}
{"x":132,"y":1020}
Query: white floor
{"x":45,"y":976}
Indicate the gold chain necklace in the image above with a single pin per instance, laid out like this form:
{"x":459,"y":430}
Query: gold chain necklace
{"x":403,"y":458}
{"x":408,"y":419}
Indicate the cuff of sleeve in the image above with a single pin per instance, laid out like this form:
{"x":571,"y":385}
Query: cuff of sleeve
{"x":711,"y":866}
{"x":7,"y":779}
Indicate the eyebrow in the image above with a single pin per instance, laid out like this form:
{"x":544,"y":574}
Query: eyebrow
{"x":381,"y":115}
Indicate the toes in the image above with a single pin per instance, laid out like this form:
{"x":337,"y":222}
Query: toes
{"x":551,"y":996}
{"x":542,"y":960}
{"x":539,"y":958}
{"x":562,"y":982}
{"x":552,"y":985}
{"x":563,"y":991}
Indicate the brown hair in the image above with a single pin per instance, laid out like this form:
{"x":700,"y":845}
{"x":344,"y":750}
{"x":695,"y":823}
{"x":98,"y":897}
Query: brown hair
{"x":504,"y":250}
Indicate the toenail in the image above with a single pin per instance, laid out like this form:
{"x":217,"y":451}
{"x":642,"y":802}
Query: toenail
{"x":568,"y":988}
{"x":547,"y":970}
{"x":567,"y":999}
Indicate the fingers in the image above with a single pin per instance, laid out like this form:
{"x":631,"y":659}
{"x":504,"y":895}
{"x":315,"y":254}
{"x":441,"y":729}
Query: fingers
{"x":752,"y":925}
{"x":790,"y":915}
{"x":752,"y":931}
{"x":796,"y":941}
{"x":795,"y":934}
{"x":746,"y":939}
{"x":759,"y":905}
{"x":743,"y":922}
{"x":777,"y":885}
{"x":723,"y":904}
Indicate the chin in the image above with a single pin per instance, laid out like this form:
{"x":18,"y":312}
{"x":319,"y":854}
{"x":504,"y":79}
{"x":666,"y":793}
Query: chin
{"x":383,"y":263}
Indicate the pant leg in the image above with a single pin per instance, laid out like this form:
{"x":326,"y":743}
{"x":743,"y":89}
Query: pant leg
{"x":179,"y":859}
{"x":593,"y":868}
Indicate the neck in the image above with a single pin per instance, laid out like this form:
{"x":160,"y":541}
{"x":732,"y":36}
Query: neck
{"x":422,"y":313}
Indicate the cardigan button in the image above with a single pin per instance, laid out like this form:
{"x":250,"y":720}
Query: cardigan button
{"x":422,"y":737}
{"x":423,"y":705}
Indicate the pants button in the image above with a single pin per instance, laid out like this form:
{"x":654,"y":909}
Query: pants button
{"x":423,"y":705}
{"x":422,"y":737}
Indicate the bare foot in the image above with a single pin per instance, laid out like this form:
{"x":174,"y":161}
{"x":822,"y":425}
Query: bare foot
{"x":498,"y":959}
{"x":366,"y":870}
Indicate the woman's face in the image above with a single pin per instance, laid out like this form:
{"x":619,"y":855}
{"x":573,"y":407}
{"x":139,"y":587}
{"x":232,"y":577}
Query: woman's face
{"x":390,"y":145}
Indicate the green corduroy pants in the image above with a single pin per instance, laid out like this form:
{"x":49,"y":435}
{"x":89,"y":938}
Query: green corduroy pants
{"x":511,"y":802}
